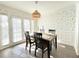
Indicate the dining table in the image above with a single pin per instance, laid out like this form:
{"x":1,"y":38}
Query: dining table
{"x":49,"y":37}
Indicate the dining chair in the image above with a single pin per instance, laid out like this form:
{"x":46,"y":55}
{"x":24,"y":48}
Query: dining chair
{"x":40,"y":43}
{"x":30,"y":40}
{"x":53,"y":31}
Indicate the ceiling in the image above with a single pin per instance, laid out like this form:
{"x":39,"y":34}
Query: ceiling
{"x":42,"y":6}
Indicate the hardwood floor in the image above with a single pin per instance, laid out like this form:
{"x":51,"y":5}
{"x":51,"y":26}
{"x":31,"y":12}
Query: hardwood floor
{"x":19,"y":51}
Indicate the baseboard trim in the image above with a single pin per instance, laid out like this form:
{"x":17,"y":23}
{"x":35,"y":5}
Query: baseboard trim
{"x":8,"y":46}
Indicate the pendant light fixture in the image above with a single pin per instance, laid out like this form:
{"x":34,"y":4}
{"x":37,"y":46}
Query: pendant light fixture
{"x":36,"y":15}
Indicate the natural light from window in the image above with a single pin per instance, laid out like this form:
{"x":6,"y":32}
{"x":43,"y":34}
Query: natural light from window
{"x":17,"y":31}
{"x":26,"y":25}
{"x":4,"y":29}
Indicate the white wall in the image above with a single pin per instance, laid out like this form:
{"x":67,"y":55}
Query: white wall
{"x":63,"y":20}
{"x":76,"y":45}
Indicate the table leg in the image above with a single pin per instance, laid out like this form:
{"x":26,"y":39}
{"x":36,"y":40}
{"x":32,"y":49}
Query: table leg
{"x":56,"y":41}
{"x":48,"y":50}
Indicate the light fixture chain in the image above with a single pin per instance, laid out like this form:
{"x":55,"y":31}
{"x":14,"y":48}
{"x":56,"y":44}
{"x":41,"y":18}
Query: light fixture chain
{"x":36,"y":2}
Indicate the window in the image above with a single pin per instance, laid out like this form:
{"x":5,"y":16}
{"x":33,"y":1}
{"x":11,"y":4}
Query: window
{"x":17,"y":31}
{"x":4,"y":29}
{"x":26,"y":25}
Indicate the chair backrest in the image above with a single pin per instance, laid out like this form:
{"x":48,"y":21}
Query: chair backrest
{"x":27,"y":35}
{"x":38,"y":38}
{"x":53,"y":31}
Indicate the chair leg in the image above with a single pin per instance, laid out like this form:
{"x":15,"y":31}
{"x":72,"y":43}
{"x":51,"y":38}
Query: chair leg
{"x":35,"y":51}
{"x":26,"y":44}
{"x":30,"y":49}
{"x":42,"y":53}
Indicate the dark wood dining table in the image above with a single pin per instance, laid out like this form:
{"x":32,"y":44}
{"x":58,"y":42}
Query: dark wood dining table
{"x":49,"y":38}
